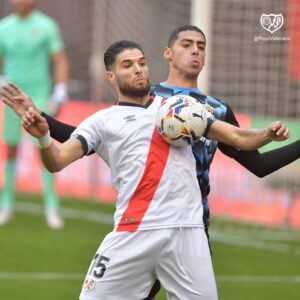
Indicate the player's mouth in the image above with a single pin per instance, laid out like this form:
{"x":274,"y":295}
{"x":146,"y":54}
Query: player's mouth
{"x":140,"y":79}
{"x":195,"y":63}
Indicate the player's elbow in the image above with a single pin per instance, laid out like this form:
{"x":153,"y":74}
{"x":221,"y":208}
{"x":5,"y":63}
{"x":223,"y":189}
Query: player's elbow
{"x":53,"y":169}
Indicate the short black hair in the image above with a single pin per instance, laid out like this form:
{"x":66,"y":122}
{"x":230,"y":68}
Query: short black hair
{"x":116,"y":48}
{"x":174,"y":34}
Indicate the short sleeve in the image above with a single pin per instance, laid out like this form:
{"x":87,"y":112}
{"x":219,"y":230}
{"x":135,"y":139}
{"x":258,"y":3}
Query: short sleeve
{"x":55,"y":39}
{"x":91,"y":131}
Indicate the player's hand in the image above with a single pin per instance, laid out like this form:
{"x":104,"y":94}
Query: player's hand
{"x":15,"y":98}
{"x":277,"y":131}
{"x":34,"y":123}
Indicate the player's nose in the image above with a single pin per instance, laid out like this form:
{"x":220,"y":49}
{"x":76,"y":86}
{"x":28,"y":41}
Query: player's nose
{"x":137,"y":69}
{"x":195,"y":49}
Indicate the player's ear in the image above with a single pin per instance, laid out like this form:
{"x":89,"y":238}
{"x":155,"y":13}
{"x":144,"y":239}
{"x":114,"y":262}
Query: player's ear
{"x":167,"y":53}
{"x":111,"y":77}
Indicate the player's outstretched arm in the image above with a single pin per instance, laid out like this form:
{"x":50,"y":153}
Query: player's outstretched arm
{"x":19,"y":102}
{"x":247,"y":139}
{"x":54,"y":157}
{"x":14,"y":97}
{"x":263,"y":164}
{"x":260,"y":164}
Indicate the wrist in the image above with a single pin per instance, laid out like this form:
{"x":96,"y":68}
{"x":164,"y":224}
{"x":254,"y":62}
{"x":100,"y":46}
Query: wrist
{"x":44,"y":141}
{"x":61,"y":86}
{"x":60,"y":92}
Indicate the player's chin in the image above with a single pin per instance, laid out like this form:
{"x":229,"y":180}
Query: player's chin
{"x":142,"y":85}
{"x":195,"y":69}
{"x":193,"y":72}
{"x":142,"y":91}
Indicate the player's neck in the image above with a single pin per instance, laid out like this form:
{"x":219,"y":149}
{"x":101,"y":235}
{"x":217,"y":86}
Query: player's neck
{"x":182,"y":81}
{"x":24,"y":14}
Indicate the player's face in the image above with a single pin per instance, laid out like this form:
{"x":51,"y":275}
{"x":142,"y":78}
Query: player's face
{"x":187,"y":55}
{"x":23,"y":7}
{"x":130,"y":73}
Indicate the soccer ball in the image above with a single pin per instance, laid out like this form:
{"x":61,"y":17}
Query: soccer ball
{"x":181,"y":120}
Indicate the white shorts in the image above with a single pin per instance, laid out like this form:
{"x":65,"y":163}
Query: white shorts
{"x":127,"y":264}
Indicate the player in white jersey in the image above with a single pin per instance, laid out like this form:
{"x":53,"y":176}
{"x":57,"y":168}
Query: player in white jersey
{"x":145,"y":170}
{"x":158,"y":229}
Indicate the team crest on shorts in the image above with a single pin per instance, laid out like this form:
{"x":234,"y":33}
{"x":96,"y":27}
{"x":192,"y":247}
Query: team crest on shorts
{"x":89,"y":284}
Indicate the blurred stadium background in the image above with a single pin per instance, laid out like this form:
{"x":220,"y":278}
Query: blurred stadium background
{"x":255,"y":71}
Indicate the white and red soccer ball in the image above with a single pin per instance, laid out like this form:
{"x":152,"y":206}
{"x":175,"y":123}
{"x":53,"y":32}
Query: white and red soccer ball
{"x":181,"y":120}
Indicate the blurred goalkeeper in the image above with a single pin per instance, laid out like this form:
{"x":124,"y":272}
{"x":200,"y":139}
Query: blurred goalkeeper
{"x":29,"y":42}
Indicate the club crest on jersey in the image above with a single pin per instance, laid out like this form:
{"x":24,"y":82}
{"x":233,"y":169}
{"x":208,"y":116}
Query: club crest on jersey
{"x":271,"y":22}
{"x":89,"y":284}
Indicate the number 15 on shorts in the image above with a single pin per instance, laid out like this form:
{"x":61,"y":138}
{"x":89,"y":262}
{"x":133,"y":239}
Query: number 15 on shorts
{"x":98,"y":266}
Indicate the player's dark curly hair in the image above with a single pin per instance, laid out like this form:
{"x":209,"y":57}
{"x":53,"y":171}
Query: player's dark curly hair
{"x":174,"y":34}
{"x":116,"y":48}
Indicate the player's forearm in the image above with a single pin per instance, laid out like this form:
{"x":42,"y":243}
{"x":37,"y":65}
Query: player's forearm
{"x":251,"y":139}
{"x":61,"y":68}
{"x":262,"y":164}
{"x":51,"y":158}
{"x":58,"y":130}
{"x":245,"y":139}
{"x":55,"y":158}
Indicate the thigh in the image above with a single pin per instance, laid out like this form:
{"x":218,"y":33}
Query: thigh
{"x":122,"y":268}
{"x":11,"y":127}
{"x":40,"y":97}
{"x":185,"y":267}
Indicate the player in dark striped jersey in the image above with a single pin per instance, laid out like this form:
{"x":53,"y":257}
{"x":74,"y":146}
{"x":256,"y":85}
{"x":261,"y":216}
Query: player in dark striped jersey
{"x":186,"y":56}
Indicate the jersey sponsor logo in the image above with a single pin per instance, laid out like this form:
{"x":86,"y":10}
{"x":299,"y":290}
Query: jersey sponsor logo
{"x":130,"y":118}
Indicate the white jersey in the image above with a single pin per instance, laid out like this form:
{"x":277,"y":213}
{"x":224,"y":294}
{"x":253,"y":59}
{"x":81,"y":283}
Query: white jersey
{"x":156,"y":182}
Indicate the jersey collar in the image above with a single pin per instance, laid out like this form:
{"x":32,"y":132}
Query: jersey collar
{"x":146,"y":105}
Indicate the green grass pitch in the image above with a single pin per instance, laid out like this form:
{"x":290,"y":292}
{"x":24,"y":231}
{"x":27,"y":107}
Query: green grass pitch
{"x":36,"y":263}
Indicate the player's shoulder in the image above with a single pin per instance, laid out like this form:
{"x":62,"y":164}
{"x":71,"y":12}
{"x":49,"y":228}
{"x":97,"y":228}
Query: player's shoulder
{"x":216,"y":101}
{"x":104,"y":113}
{"x":161,"y":90}
{"x":7,"y":21}
{"x":44,"y":19}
